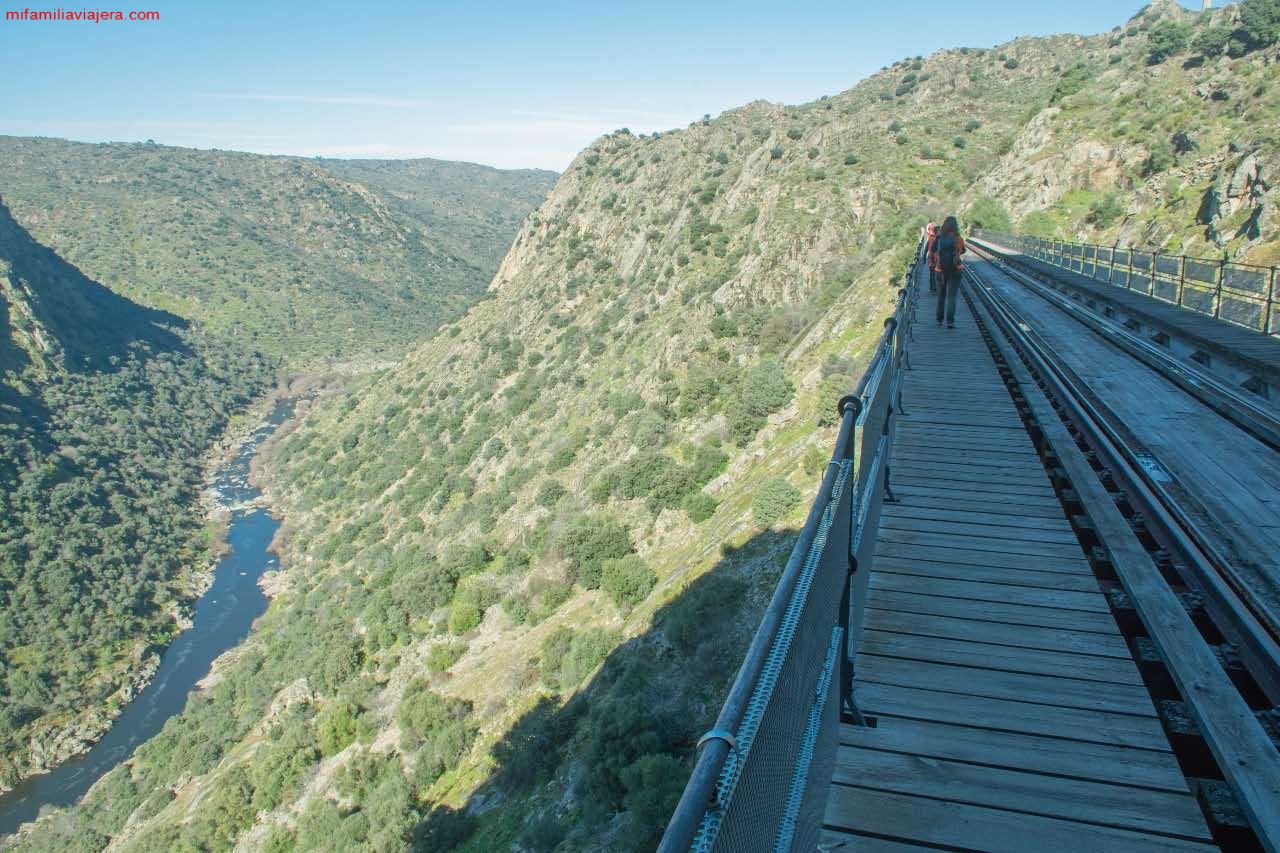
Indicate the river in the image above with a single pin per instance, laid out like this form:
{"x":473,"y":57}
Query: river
{"x":221,"y":619}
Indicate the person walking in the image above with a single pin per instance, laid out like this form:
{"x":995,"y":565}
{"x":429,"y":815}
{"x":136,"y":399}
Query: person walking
{"x":945,"y":262}
{"x":931,"y":234}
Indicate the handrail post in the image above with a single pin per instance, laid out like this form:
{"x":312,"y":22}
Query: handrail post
{"x":1267,"y":322}
{"x":1182,"y":278}
{"x":1217,"y":290}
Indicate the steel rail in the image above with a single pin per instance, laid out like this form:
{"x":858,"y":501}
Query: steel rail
{"x":1227,"y":401}
{"x":1242,"y":618}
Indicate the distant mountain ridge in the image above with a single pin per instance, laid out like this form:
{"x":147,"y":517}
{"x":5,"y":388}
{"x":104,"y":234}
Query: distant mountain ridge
{"x":307,"y":260}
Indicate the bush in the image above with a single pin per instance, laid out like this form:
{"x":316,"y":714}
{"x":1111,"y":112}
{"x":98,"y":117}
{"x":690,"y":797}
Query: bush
{"x":1011,"y":63}
{"x":960,"y":142}
{"x":1040,"y":224}
{"x":775,"y":499}
{"x":568,"y":657}
{"x":1260,"y":21}
{"x":794,"y":133}
{"x":336,"y":727}
{"x":775,"y":153}
{"x":987,"y":212}
{"x":1211,"y":42}
{"x":700,"y":506}
{"x":971,"y":125}
{"x":1075,"y":79}
{"x":444,"y":655}
{"x":851,"y":159}
{"x":1167,"y":39}
{"x":587,"y":541}
{"x":549,"y":493}
{"x":1105,"y":211}
{"x":627,"y":580}
{"x":762,"y":391}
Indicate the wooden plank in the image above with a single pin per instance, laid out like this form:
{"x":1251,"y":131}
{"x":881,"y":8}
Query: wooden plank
{"x":1242,"y":748}
{"x":951,"y":491}
{"x":991,"y":464}
{"x":998,"y":684}
{"x":966,"y":557}
{"x":955,"y":825}
{"x":1077,"y":581}
{"x":983,"y":544}
{"x":909,"y":497}
{"x":1121,"y":806}
{"x":979,"y":631}
{"x":847,"y":842}
{"x":1079,"y":760}
{"x":1002,"y":657}
{"x":1059,"y":533}
{"x":968,"y":483}
{"x":1000,"y":479}
{"x":1009,"y":614}
{"x":914,"y":510}
{"x":894,"y":700}
{"x":1091,"y":602}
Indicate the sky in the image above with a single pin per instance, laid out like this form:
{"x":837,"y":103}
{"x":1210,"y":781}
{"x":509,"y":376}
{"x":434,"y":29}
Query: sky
{"x":506,"y":84}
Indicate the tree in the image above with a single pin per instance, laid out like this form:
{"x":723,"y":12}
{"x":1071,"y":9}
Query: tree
{"x":987,"y":212}
{"x":627,"y":580}
{"x":1168,"y":38}
{"x":588,"y":540}
{"x":1260,"y":20}
{"x":775,"y":499}
{"x":1211,"y":42}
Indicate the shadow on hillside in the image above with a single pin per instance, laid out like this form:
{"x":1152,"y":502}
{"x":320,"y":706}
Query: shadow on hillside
{"x":94,"y":328}
{"x":618,"y":754}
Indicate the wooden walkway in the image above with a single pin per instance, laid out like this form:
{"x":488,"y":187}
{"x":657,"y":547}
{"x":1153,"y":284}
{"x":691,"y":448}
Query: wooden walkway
{"x":1008,"y":712}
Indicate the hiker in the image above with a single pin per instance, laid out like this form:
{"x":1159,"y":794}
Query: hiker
{"x":945,"y":262}
{"x":931,"y":234}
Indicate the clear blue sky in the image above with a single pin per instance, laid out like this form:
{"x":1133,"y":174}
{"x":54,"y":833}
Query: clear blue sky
{"x":509,"y":84}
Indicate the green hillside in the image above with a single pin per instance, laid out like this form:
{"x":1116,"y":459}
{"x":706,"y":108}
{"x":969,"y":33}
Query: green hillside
{"x":106,"y":410}
{"x":305,"y":260}
{"x":523,"y":563}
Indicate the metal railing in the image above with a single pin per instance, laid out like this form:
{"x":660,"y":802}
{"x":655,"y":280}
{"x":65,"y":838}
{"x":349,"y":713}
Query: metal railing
{"x":761,"y":775}
{"x":1243,"y":294}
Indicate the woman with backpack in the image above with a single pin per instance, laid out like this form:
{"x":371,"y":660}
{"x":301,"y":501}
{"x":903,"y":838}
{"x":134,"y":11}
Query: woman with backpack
{"x":944,"y":260}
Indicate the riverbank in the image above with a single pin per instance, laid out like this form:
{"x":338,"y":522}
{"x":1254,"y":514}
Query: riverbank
{"x":219,"y":619}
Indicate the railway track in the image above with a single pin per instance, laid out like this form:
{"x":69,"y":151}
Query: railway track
{"x":1173,"y":574}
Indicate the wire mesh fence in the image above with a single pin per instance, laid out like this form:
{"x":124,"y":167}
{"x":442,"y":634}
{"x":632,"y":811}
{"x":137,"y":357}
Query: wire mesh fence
{"x":760,"y":779}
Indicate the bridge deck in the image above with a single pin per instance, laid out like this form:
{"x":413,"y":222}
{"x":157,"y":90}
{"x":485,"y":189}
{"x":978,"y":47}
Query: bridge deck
{"x":1008,"y":711}
{"x":1258,"y":350}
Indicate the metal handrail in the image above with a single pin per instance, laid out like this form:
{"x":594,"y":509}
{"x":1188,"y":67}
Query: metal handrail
{"x":702,"y":798}
{"x":1074,"y":256}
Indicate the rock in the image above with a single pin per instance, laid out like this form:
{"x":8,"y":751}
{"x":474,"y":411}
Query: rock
{"x":1183,"y":143}
{"x":1245,"y":177}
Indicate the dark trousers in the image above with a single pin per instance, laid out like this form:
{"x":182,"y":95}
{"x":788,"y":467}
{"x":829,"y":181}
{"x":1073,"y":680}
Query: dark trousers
{"x":948,"y":290}
{"x":933,"y":280}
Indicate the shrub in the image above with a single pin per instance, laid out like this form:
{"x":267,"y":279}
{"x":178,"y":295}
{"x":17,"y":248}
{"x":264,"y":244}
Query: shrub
{"x":775,"y":153}
{"x":1075,"y":79}
{"x":700,"y":506}
{"x":1011,"y":63}
{"x":1167,"y":39}
{"x":959,"y":142}
{"x":1260,"y":21}
{"x":851,"y":159}
{"x":444,"y":655}
{"x":1105,"y":211}
{"x":794,"y":133}
{"x":895,"y":126}
{"x":972,"y":125}
{"x":336,"y":727}
{"x":762,"y":391}
{"x":626,"y":580}
{"x":1211,"y":42}
{"x":987,"y":212}
{"x":1040,"y":224}
{"x":775,"y":499}
{"x":587,"y":540}
{"x":568,"y":657}
{"x":549,"y":493}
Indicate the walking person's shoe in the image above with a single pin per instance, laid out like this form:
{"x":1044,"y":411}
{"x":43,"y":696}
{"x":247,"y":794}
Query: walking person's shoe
{"x":951,"y":325}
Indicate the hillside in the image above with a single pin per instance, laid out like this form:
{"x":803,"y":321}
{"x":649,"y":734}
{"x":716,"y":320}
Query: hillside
{"x":523,"y":563}
{"x":304,"y":260}
{"x":106,"y":409}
